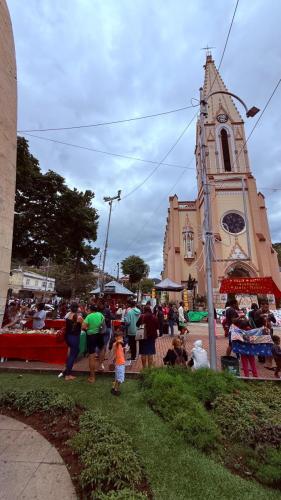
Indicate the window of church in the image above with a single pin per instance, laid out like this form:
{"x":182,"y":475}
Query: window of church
{"x":225,"y":150}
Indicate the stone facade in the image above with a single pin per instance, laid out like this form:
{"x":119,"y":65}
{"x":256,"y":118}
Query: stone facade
{"x":242,"y":242}
{"x":8,"y":147}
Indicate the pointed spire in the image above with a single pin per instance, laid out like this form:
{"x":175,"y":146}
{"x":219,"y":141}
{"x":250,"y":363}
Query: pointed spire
{"x":219,"y":103}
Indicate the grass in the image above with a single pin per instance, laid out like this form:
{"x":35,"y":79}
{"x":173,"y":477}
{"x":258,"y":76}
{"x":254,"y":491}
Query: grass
{"x":174,"y":470}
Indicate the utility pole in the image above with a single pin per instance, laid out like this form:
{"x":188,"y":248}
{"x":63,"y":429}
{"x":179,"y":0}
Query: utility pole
{"x":110,"y":201}
{"x":47,"y":277}
{"x":118,"y":270}
{"x":208,"y":235}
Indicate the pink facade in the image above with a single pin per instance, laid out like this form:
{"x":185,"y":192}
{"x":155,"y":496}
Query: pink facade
{"x":241,"y":242}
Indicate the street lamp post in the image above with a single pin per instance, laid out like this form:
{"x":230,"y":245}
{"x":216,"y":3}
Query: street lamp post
{"x":208,"y":234}
{"x":110,"y":201}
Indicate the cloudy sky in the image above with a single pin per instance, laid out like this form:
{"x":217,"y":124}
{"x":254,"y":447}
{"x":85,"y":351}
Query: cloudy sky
{"x":87,"y":61}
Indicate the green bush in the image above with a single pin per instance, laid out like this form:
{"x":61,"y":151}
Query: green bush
{"x":245,"y":417}
{"x":40,"y":400}
{"x":269,"y":471}
{"x":207,"y":385}
{"x":125,"y":494}
{"x":168,"y":394}
{"x":106,"y":452}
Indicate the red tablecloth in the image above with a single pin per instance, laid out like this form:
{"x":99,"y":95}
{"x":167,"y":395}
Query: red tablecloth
{"x":33,"y":346}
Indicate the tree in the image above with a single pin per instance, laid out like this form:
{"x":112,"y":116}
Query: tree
{"x":51,"y":220}
{"x":135,"y":268}
{"x":146,"y":285}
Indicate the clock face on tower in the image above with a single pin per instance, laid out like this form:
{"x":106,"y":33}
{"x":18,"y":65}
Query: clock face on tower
{"x":233,"y":223}
{"x":222,"y":118}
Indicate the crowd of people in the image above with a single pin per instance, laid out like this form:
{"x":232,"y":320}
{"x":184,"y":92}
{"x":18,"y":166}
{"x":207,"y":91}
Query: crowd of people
{"x":257,"y":318}
{"x":120,"y":329}
{"x":130,"y":330}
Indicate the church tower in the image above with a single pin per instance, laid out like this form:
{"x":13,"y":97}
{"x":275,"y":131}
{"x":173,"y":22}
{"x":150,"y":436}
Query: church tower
{"x":242,"y":243}
{"x":241,"y":236}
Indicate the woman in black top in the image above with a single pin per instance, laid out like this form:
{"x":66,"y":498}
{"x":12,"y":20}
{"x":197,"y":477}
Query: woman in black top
{"x":72,"y":337}
{"x":177,"y":355}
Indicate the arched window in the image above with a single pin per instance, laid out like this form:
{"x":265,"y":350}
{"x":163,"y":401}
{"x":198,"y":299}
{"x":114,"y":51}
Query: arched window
{"x":225,"y":150}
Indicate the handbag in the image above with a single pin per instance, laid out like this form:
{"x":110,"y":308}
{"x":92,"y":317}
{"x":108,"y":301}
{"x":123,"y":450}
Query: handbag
{"x":141,"y":333}
{"x":102,"y":328}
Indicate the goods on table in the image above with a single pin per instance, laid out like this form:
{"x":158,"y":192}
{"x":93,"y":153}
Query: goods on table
{"x":26,"y":332}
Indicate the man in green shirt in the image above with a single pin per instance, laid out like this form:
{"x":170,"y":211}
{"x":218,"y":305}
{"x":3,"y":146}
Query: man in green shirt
{"x":94,"y":324}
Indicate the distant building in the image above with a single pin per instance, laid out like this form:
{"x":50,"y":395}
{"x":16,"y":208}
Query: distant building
{"x":27,"y":284}
{"x":241,"y":245}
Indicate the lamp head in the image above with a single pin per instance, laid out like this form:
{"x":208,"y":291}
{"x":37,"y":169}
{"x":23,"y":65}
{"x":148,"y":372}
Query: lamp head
{"x":252,"y":112}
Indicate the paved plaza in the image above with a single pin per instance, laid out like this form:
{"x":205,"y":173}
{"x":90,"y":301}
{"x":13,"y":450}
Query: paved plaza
{"x":197,"y":331}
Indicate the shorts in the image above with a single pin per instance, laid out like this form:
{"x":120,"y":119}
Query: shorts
{"x":120,"y":373}
{"x":95,"y":341}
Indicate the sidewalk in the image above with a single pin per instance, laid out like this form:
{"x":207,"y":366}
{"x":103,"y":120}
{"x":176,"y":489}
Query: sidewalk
{"x":30,"y":467}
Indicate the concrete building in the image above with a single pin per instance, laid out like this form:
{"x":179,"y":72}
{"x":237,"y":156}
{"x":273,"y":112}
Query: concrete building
{"x":28,"y":284}
{"x":242,"y":242}
{"x":8,"y":147}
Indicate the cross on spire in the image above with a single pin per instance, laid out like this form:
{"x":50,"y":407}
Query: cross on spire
{"x":208,"y":50}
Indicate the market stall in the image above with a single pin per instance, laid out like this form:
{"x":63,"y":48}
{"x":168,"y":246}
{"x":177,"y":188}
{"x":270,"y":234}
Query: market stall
{"x":45,"y":346}
{"x":113,"y":292}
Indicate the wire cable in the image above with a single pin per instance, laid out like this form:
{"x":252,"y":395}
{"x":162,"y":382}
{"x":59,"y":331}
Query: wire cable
{"x":118,"y":155}
{"x":225,"y":45}
{"x":162,"y":161}
{"x":113,"y":122}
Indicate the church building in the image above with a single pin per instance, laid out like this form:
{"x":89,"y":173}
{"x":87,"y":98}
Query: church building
{"x":241,"y":236}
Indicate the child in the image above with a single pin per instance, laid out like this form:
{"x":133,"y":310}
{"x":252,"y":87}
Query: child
{"x":119,"y":356}
{"x":199,"y":357}
{"x":183,"y":336}
{"x":276,"y":353}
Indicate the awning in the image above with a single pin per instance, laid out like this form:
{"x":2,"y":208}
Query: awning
{"x":168,"y":285}
{"x":250,"y":286}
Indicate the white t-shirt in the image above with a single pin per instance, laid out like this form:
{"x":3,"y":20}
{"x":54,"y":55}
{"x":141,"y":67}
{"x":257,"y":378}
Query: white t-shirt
{"x":200,"y":358}
{"x":181,"y":314}
{"x":39,"y":320}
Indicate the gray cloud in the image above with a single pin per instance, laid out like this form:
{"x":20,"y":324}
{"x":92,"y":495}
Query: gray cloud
{"x":84,"y":61}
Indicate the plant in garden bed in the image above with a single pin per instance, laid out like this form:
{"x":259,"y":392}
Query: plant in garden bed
{"x":252,"y":420}
{"x":243,"y":421}
{"x":168,"y":394}
{"x":107,"y":456}
{"x":41,"y":400}
{"x":124,"y":494}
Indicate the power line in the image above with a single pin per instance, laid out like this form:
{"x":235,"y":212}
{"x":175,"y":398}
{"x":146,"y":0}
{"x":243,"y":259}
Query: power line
{"x":258,"y":120}
{"x":155,"y":211}
{"x":113,"y":122}
{"x":226,"y":43}
{"x":118,"y":155}
{"x":228,"y":34}
{"x":162,"y":161}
